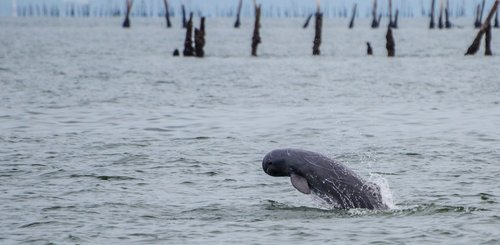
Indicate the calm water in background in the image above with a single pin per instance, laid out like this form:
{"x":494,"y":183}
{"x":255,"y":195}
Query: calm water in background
{"x":107,"y":138}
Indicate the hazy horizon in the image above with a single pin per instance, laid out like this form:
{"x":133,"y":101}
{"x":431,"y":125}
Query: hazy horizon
{"x":222,"y":7}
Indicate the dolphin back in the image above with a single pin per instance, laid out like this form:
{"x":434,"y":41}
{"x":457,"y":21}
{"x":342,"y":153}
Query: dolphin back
{"x":334,"y":182}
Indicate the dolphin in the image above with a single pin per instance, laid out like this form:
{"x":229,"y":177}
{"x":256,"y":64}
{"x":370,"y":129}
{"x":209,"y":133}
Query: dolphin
{"x":313,"y":173}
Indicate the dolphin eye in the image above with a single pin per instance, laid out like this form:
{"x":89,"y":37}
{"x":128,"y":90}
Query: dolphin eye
{"x":269,"y":163}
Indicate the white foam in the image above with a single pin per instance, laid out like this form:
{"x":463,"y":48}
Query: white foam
{"x":385,"y":191}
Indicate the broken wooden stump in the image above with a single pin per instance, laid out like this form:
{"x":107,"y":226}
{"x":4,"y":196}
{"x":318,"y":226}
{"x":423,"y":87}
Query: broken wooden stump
{"x":317,"y":35}
{"x":167,"y":14}
{"x":176,"y":52}
{"x":447,"y":22}
{"x":184,"y":22}
{"x":480,"y":21}
{"x":375,"y":22}
{"x":369,"y":50}
{"x":474,"y":47}
{"x":351,"y":24}
{"x":126,"y":22}
{"x":487,"y":42}
{"x":188,"y":43}
{"x":391,"y":23}
{"x":440,"y":21}
{"x":395,"y":23}
{"x":477,"y":23}
{"x":199,"y":39}
{"x":318,"y":26}
{"x":390,"y":45}
{"x":306,"y":24}
{"x":256,"y":30}
{"x":497,"y":24}
{"x":432,"y":24}
{"x":237,"y":23}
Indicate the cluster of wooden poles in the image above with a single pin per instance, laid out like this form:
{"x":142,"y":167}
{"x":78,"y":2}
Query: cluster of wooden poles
{"x":199,"y":33}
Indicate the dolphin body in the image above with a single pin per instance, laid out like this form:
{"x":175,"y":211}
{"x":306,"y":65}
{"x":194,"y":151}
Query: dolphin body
{"x":312,"y":172}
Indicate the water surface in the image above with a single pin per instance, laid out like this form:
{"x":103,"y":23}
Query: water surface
{"x":107,"y":138}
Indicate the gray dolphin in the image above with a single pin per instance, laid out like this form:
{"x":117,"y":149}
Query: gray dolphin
{"x":312,"y":172}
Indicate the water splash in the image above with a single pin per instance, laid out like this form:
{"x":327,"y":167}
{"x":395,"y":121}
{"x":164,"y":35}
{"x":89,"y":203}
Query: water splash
{"x":385,"y":191}
{"x":323,"y":202}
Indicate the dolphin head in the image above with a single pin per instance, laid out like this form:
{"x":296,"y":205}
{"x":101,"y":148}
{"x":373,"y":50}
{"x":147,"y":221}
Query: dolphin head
{"x":275,"y":163}
{"x":286,"y":162}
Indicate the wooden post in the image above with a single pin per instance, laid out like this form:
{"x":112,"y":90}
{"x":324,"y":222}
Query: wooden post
{"x":481,"y":14}
{"x":375,"y":23}
{"x":477,"y":23}
{"x":237,"y":23}
{"x":176,"y":52}
{"x":188,"y":43}
{"x":256,"y":33}
{"x":369,"y":50}
{"x":307,"y":21}
{"x":395,"y":23}
{"x":184,"y":23}
{"x":422,"y":10}
{"x":440,"y":21}
{"x":474,"y":47}
{"x":390,"y":45}
{"x":317,"y":35}
{"x":167,"y":14}
{"x":351,"y":24}
{"x":432,"y":24}
{"x":497,"y":25}
{"x":199,"y":39}
{"x":390,"y":14}
{"x":126,"y":22}
{"x":447,"y":23}
{"x":487,"y":41}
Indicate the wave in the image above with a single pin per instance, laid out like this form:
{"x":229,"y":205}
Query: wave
{"x":397,"y":210}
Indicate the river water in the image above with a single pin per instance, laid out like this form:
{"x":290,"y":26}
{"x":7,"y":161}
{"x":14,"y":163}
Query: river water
{"x":105,"y":138}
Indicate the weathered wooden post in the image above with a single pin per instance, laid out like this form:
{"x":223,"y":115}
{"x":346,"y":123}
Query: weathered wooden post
{"x":306,"y":24}
{"x":487,"y":41}
{"x":497,"y":25}
{"x":199,"y":39}
{"x":188,"y":43}
{"x":474,"y":47}
{"x":256,"y":33}
{"x":422,"y":10}
{"x":477,"y":22}
{"x":395,"y":24}
{"x":126,"y":22}
{"x":447,"y":22}
{"x":440,"y":21}
{"x":481,"y":14}
{"x":391,"y":23}
{"x":351,"y":24}
{"x":432,"y":24}
{"x":184,"y":23}
{"x":375,"y":23}
{"x":167,"y":14}
{"x":317,"y":35}
{"x":369,"y":50}
{"x":390,"y":45}
{"x":237,"y":23}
